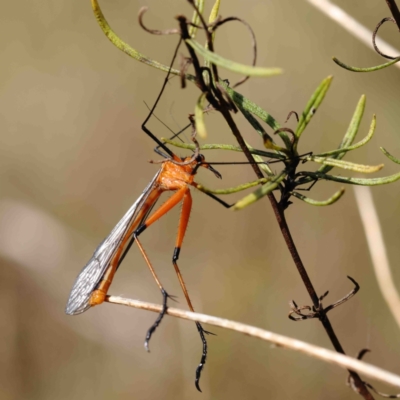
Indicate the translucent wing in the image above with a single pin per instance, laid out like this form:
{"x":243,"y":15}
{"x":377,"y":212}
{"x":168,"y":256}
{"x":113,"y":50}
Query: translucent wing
{"x":93,"y":271}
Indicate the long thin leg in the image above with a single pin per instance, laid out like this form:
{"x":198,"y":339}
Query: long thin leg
{"x":144,"y":127}
{"x":183,"y":222}
{"x":163,"y":292}
{"x":164,"y":208}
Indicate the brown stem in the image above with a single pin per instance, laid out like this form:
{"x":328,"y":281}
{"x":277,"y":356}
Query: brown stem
{"x":395,"y":11}
{"x":223,"y":108}
{"x":280,"y":216}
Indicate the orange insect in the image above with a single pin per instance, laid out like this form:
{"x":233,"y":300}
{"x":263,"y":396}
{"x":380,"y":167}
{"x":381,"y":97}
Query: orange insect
{"x":176,"y":175}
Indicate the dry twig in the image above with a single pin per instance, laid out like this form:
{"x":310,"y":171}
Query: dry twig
{"x":352,"y":26}
{"x":377,"y":249}
{"x":279,"y":340}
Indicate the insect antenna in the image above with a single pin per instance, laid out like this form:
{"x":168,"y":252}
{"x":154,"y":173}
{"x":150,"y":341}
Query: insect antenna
{"x":160,"y":144}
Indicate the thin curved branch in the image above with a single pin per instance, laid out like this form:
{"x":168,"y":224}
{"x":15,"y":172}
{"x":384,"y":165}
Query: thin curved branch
{"x":374,"y":38}
{"x":351,"y":25}
{"x":253,"y":43}
{"x":279,"y":340}
{"x":172,"y":31}
{"x":366,"y":69}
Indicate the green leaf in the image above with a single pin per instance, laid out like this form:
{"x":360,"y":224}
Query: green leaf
{"x":368,"y":69}
{"x":354,"y":181}
{"x":354,"y":146}
{"x":234,"y":189}
{"x":313,"y":104}
{"x":263,"y":166}
{"x":214,"y":11}
{"x":246,"y":107}
{"x":231,"y":65}
{"x":191,"y":146}
{"x":214,"y":16}
{"x":253,"y":122}
{"x":260,"y":192}
{"x":268,"y":141}
{"x":327,"y":202}
{"x":351,"y":132}
{"x":389,"y":156}
{"x":333,"y":162}
{"x":114,"y":39}
{"x":354,"y":123}
{"x":199,"y":117}
{"x":196,"y":18}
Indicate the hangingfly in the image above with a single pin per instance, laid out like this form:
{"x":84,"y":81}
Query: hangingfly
{"x":92,"y":283}
{"x":177,"y":175}
{"x":90,"y":288}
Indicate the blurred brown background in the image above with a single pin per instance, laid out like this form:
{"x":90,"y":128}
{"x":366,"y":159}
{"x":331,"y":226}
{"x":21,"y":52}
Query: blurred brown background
{"x":73,"y":159}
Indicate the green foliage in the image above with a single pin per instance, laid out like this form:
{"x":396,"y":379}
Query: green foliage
{"x":288,"y":181}
{"x":366,"y":69}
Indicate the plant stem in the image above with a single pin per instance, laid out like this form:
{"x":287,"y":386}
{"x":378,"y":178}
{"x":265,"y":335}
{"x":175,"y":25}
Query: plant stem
{"x":310,"y":350}
{"x":220,"y":104}
{"x":395,"y":11}
{"x":280,"y":216}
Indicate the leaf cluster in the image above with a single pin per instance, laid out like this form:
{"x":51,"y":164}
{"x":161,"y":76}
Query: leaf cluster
{"x":289,"y":181}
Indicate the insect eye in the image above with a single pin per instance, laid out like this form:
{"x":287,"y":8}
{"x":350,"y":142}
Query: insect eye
{"x":200,"y":158}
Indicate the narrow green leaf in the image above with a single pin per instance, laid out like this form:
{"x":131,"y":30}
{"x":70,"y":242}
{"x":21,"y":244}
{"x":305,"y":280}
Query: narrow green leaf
{"x":120,"y":44}
{"x":253,"y":122}
{"x":214,"y":11}
{"x":246,"y":107}
{"x":264,"y":167}
{"x":191,"y":146}
{"x":235,"y":189}
{"x":368,"y":69}
{"x":351,"y":132}
{"x":260,"y":192}
{"x":268,"y":141}
{"x":199,"y":117}
{"x":313,"y":104}
{"x":333,"y":162}
{"x":256,"y":125}
{"x":212,"y":18}
{"x":354,"y":181}
{"x":389,"y":156}
{"x":327,"y":202}
{"x":354,"y":146}
{"x":196,"y":18}
{"x":231,"y":65}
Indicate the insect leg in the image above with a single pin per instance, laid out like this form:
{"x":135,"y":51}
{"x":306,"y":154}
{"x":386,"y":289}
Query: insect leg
{"x":163,"y":292}
{"x":164,"y":208}
{"x":183,"y":222}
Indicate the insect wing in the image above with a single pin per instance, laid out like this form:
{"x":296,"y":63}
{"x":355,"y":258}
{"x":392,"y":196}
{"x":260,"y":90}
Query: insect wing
{"x":93,"y":271}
